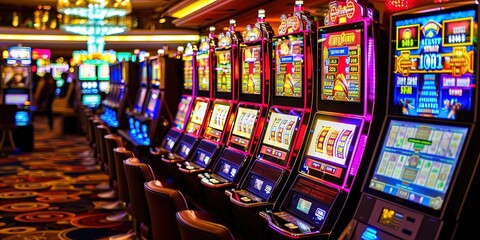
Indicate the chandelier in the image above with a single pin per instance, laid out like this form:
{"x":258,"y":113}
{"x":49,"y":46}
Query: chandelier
{"x":96,"y":19}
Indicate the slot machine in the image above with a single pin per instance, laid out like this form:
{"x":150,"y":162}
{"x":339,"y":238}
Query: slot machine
{"x":133,"y":130}
{"x":89,"y":89}
{"x":255,"y":55}
{"x":320,"y":197}
{"x":194,"y":128}
{"x":17,"y":90}
{"x":418,"y":184}
{"x":123,"y":87}
{"x":219,"y":120}
{"x":184,"y":106}
{"x":286,"y":121}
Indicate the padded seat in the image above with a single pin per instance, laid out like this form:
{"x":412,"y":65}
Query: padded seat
{"x":7,"y":125}
{"x":201,"y":226}
{"x":164,"y":203}
{"x":137,"y":173}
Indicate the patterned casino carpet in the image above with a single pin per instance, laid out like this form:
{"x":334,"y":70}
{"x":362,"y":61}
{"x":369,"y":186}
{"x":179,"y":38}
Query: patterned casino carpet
{"x":52,"y":193}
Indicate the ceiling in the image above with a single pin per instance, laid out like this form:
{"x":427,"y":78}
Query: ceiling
{"x":217,"y":14}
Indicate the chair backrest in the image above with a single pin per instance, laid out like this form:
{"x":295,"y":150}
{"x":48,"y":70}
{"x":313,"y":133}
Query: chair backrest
{"x":164,"y":203}
{"x":112,"y":141}
{"x":101,"y":131}
{"x":137,"y":173}
{"x":7,"y":116}
{"x":201,"y":226}
{"x":120,"y":154}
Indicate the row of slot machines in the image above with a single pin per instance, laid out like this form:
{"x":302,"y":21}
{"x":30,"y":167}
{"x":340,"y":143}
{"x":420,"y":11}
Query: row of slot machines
{"x":306,"y":131}
{"x":263,"y":129}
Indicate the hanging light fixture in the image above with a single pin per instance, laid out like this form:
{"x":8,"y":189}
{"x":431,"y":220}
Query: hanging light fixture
{"x":96,"y":19}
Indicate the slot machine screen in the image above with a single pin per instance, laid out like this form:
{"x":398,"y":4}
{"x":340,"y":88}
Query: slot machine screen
{"x":224,"y":71}
{"x":16,"y":76}
{"x":434,"y":64}
{"x":280,"y":130}
{"x":251,"y":70}
{"x":289,"y":57}
{"x":416,"y":163}
{"x":243,"y":127}
{"x":262,"y":179}
{"x":152,"y":105}
{"x":340,"y":62}
{"x":279,"y":136}
{"x":104,"y":71}
{"x":203,"y":71}
{"x":91,"y":100}
{"x":87,"y":72}
{"x":18,"y":99}
{"x":330,"y":144}
{"x":143,"y":73}
{"x":140,"y":99}
{"x":182,"y":111}
{"x":229,"y":164}
{"x":187,"y":72}
{"x":196,"y":117}
{"x":219,"y":115}
{"x":157,"y":73}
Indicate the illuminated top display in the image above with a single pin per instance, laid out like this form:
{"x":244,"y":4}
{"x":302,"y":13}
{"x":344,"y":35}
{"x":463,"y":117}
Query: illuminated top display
{"x":224,"y":71}
{"x":251,"y":70}
{"x":87,"y":72}
{"x":342,"y":63}
{"x":203,"y":71}
{"x":289,"y":66}
{"x":104,"y":71}
{"x":16,"y":77}
{"x":143,"y":73}
{"x":156,"y":73}
{"x":187,"y":72}
{"x":434,"y":64}
{"x":417,"y":162}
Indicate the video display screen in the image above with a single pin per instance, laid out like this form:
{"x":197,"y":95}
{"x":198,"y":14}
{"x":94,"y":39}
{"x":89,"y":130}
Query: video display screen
{"x":219,"y":116}
{"x":182,"y":111}
{"x":156,"y":75}
{"x":245,"y":122}
{"x":224,"y":71}
{"x":289,"y":57}
{"x":331,"y":141}
{"x":104,"y":71}
{"x":196,"y":117}
{"x":251,"y":70}
{"x":18,"y":99}
{"x":140,"y":99}
{"x":228,"y":170}
{"x":434,"y":63}
{"x":16,"y":77}
{"x":280,"y":130}
{"x":261,"y":186}
{"x":152,"y":104}
{"x":187,"y":72}
{"x":341,"y":65}
{"x":87,"y":71}
{"x":143,"y":73}
{"x":203,"y":71}
{"x":91,"y":100}
{"x":416,"y":162}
